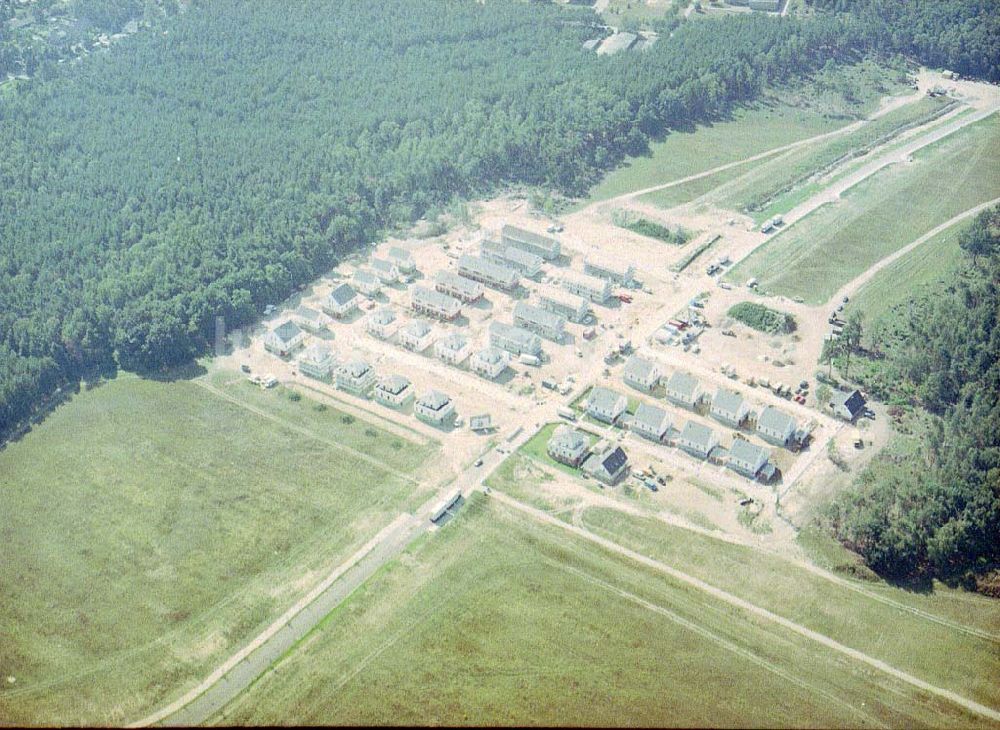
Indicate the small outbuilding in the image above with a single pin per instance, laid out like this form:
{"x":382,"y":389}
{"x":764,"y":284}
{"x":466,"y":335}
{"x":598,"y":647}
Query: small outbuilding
{"x":847,"y":404}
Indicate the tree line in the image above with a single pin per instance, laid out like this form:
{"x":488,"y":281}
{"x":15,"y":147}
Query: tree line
{"x":933,"y":509}
{"x":210,"y":167}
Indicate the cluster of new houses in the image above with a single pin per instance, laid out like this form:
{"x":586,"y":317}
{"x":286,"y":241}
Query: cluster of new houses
{"x":727,"y":407}
{"x":606,"y":462}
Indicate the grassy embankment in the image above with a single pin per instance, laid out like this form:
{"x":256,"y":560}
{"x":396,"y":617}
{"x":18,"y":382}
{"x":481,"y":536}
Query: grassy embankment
{"x":837,"y":243}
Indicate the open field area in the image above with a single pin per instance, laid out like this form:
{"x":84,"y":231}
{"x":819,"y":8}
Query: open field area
{"x":921,"y":270}
{"x":685,"y":153}
{"x":582,"y":636}
{"x":771,"y":182}
{"x":840,"y":241}
{"x":151,"y":528}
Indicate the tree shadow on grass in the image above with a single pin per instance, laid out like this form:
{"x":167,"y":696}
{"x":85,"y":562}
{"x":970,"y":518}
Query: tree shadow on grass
{"x":184,"y":371}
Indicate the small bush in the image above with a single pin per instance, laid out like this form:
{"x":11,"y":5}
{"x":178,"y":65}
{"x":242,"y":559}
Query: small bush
{"x":347,"y":419}
{"x":762,"y":319}
{"x":371,"y":433}
{"x":319,"y":407}
{"x":294,"y":396}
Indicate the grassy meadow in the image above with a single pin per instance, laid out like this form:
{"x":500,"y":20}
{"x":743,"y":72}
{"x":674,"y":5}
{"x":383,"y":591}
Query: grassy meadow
{"x":150,"y":529}
{"x":838,"y":242}
{"x":581,"y":636}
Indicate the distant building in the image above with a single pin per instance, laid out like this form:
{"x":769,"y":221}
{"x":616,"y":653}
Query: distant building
{"x":487,"y":272}
{"x":613,"y":270}
{"x":525,"y":263}
{"x":775,"y":426}
{"x":572,"y":307}
{"x":465,"y":290}
{"x":514,"y":339}
{"x":481,"y":422}
{"x":616,"y":43}
{"x":747,"y":459}
{"x":416,"y":336}
{"x":310,"y":319}
{"x":683,"y":389}
{"x":402,"y":260}
{"x":589,"y":287}
{"x":394,"y":391}
{"x":768,"y":6}
{"x":355,"y":377}
{"x":366,"y":282}
{"x":608,"y":464}
{"x":382,"y":323}
{"x":847,"y":404}
{"x":651,"y":422}
{"x":544,"y":246}
{"x":452,"y":349}
{"x":434,"y":303}
{"x":386,"y":271}
{"x":341,"y":302}
{"x":540,"y":321}
{"x":317,"y":361}
{"x":730,"y":408}
{"x":606,"y":405}
{"x":568,"y":446}
{"x":434,"y":407}
{"x":489,"y":362}
{"x":641,"y":374}
{"x":284,"y":339}
{"x":697,"y":440}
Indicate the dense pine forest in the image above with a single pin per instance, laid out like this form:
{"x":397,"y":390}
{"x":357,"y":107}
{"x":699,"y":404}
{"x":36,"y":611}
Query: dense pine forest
{"x":210,"y":166}
{"x":932,"y":508}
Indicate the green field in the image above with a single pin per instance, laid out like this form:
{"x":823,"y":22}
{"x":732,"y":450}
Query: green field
{"x":579,"y":637}
{"x":924,"y":269}
{"x":838,"y":242}
{"x":779,"y":177}
{"x":939,"y":654}
{"x":150,"y":529}
{"x":685,"y":153}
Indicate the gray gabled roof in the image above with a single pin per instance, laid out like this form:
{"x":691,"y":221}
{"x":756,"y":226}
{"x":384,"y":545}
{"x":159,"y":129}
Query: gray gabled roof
{"x":394,"y":384}
{"x":366,"y":277}
{"x":490,"y":355}
{"x":287,"y":331}
{"x":727,"y":401}
{"x":520,"y":234}
{"x":603,"y":399}
{"x":384,"y":315}
{"x":382,"y":265}
{"x":525,"y":339}
{"x":650,"y":416}
{"x":433,"y":298}
{"x":538,"y":316}
{"x":744,"y":451}
{"x":697,"y":435}
{"x":434,"y":399}
{"x":454,"y":341}
{"x":682,"y":383}
{"x":417,"y":328}
{"x":307,"y":313}
{"x":317,"y":352}
{"x":569,"y":439}
{"x":342,"y":294}
{"x":639,"y":369}
{"x":356,"y":368}
{"x":852,"y":400}
{"x":771,"y":419}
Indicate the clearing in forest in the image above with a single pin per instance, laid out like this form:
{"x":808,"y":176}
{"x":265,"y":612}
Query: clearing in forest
{"x":833,"y":245}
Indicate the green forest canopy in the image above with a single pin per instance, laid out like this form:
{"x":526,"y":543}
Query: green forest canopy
{"x":210,"y":166}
